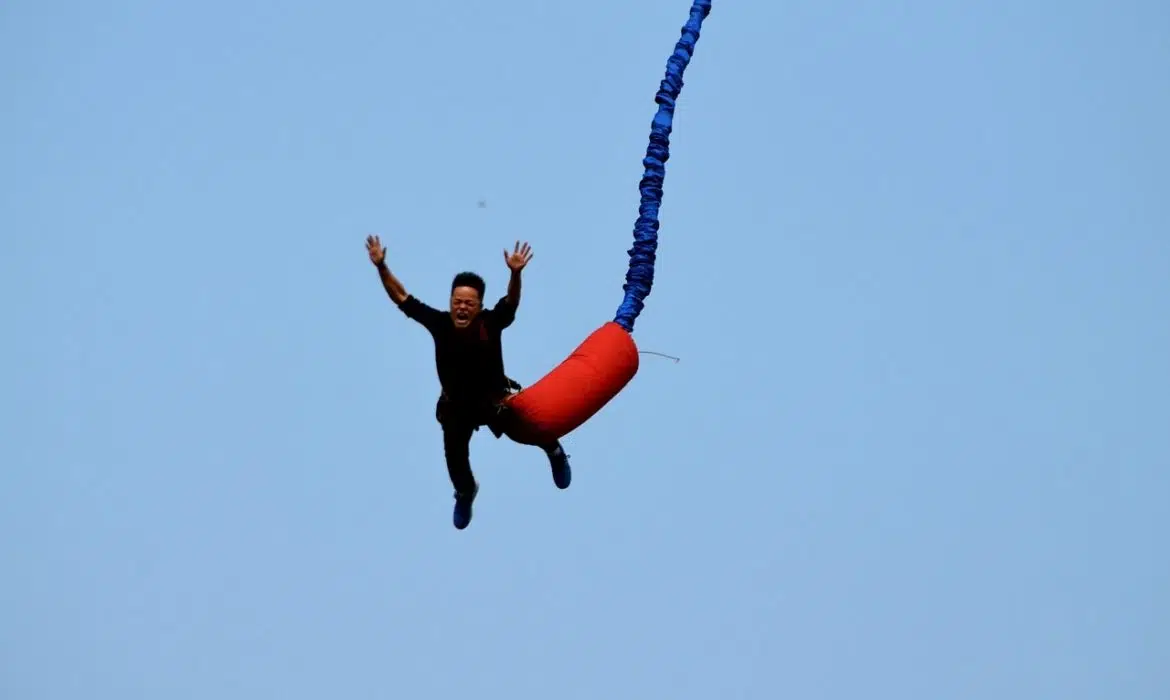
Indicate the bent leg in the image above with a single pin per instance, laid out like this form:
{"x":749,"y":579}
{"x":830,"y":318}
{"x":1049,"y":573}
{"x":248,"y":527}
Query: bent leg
{"x":504,"y":422}
{"x":559,"y":463}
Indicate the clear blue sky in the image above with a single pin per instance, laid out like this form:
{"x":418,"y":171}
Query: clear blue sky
{"x":915,"y":258}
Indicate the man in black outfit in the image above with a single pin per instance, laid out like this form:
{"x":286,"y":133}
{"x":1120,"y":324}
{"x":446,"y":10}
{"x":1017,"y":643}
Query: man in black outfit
{"x":470,"y":362}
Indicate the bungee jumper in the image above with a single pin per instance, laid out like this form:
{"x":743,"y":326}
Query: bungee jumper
{"x":469,"y":359}
{"x":468,"y":354}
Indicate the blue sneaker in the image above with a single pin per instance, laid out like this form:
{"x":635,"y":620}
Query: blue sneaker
{"x":461,"y":517}
{"x":559,"y":461}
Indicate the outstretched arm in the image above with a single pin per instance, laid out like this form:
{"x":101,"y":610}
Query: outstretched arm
{"x":516,"y":260}
{"x":514,"y":289}
{"x":429,"y":317}
{"x":390,"y":283}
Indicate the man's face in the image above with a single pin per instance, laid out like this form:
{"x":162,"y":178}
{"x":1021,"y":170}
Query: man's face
{"x":465,"y":306}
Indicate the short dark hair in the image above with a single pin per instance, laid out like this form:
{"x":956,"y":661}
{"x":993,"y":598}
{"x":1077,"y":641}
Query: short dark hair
{"x":469,"y":279}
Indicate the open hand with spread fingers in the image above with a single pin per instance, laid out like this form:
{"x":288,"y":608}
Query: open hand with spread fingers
{"x":375,"y":249}
{"x":519,"y":257}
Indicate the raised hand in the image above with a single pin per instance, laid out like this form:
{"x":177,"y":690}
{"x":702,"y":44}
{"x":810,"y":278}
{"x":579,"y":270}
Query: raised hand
{"x":518,"y":258}
{"x":375,"y":249}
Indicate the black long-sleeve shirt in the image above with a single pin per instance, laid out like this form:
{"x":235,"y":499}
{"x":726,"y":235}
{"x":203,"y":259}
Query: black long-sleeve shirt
{"x":469,"y":361}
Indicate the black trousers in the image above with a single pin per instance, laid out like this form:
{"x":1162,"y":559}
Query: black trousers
{"x":460,"y":420}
